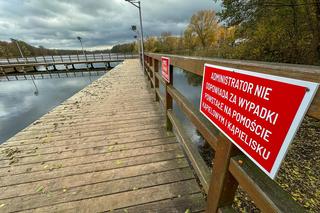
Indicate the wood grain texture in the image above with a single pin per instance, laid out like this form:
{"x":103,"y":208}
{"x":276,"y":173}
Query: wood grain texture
{"x":105,"y":148}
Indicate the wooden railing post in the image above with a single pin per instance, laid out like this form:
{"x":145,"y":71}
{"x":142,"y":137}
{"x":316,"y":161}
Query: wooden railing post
{"x":145,"y":62}
{"x":151,"y":70}
{"x":155,"y":79}
{"x":168,"y":102}
{"x":222,"y":185}
{"x":148,"y":70}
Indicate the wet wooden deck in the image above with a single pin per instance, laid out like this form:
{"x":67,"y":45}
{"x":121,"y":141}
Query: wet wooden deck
{"x":104,"y":149}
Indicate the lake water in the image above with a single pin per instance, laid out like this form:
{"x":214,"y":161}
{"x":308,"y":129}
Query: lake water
{"x":19,"y":106}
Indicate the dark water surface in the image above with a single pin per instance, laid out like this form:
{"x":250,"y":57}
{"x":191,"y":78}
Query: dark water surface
{"x":19,"y":106}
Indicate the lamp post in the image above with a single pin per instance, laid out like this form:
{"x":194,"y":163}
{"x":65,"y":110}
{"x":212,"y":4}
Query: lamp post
{"x":136,"y":37}
{"x":137,"y":4}
{"x":84,"y":53}
{"x":134,"y":29}
{"x":15,"y":41}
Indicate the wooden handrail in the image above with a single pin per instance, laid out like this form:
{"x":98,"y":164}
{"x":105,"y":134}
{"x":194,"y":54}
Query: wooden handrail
{"x":302,"y":72}
{"x":231,"y":168}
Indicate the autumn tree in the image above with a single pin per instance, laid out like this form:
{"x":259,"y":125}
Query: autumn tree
{"x":168,"y":42}
{"x":151,"y":44}
{"x":281,"y":31}
{"x":204,"y":25}
{"x":190,"y":39}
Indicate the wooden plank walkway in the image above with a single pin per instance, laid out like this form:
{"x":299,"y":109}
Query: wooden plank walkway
{"x":104,"y":149}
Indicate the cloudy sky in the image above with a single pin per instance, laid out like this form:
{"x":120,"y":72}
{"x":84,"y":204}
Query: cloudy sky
{"x":101,"y":23}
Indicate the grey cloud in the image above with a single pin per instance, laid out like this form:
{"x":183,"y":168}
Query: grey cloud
{"x":56,"y":23}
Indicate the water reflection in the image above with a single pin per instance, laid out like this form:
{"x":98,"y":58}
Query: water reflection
{"x":189,"y":85}
{"x":19,"y":106}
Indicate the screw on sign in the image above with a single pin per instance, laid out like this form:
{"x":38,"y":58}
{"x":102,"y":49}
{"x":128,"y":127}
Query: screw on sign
{"x":165,"y":67}
{"x":259,"y":113}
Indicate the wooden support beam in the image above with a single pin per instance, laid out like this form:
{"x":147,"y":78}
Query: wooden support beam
{"x":223,"y":185}
{"x":155,"y":79}
{"x":169,"y":101}
{"x":3,"y":72}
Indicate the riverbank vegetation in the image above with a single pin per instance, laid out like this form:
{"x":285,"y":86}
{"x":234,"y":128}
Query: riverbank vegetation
{"x":10,"y":50}
{"x":285,"y":31}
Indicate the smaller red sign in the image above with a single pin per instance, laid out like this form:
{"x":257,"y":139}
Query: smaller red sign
{"x":259,"y":113}
{"x":165,"y":65}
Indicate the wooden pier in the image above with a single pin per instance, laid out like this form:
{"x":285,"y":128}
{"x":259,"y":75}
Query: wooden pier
{"x":104,"y":149}
{"x":52,"y":66}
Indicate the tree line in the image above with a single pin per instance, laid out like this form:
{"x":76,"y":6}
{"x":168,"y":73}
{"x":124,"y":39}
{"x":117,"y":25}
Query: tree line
{"x":279,"y":31}
{"x":10,"y":50}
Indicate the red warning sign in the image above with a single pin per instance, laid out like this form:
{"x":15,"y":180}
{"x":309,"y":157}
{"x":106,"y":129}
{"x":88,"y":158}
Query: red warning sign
{"x":259,"y":113}
{"x":165,"y":65}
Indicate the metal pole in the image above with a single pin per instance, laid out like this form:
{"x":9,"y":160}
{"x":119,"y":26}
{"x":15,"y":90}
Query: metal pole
{"x":141,"y":29}
{"x":25,"y":61}
{"x":37,"y":91}
{"x":137,"y":4}
{"x":84,"y":53}
{"x":138,"y":41}
{"x":19,"y":49}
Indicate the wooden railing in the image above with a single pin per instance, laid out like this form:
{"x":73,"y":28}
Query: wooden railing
{"x":230,"y":167}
